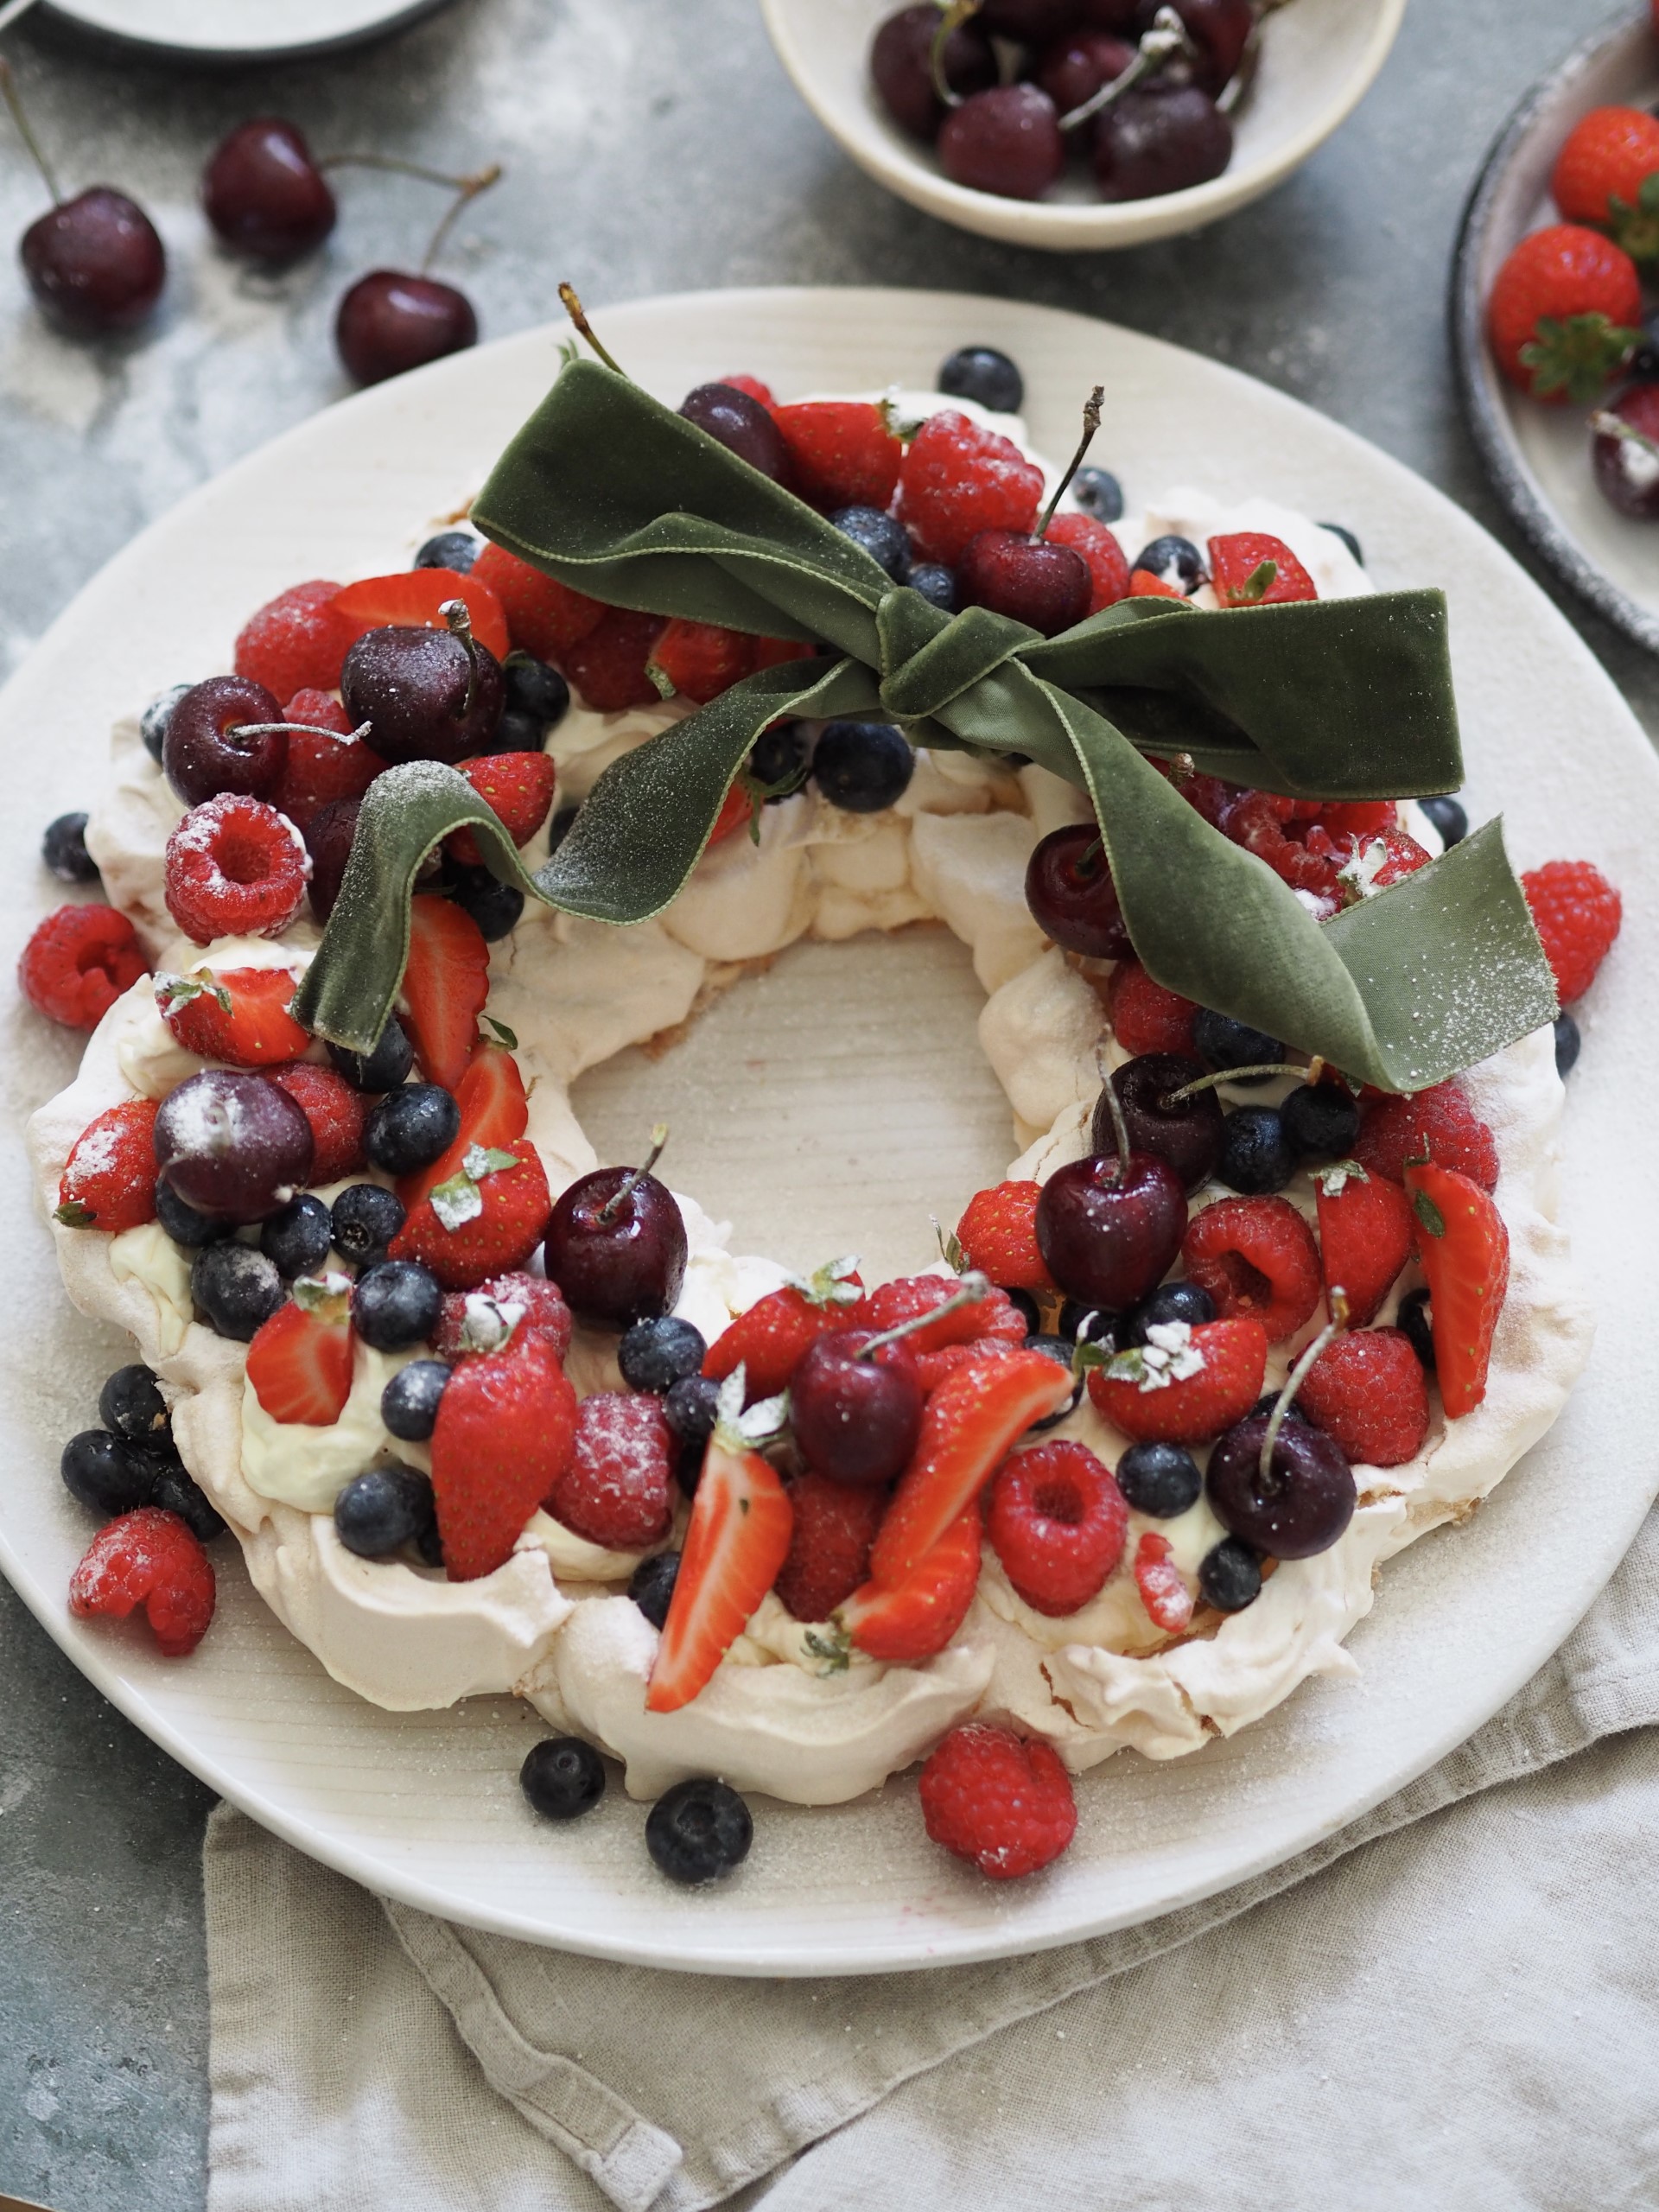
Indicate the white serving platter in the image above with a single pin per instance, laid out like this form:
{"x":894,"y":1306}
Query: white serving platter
{"x":241,"y":30}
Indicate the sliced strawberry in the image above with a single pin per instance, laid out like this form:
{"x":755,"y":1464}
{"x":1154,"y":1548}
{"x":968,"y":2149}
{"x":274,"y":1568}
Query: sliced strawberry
{"x":503,"y":1438}
{"x":736,"y":1546}
{"x":970,"y":1423}
{"x":1249,"y":567}
{"x":916,"y":1618}
{"x":446,"y":982}
{"x":1143,"y":584}
{"x":1464,"y":1249}
{"x":519,"y":786}
{"x":494,"y":1110}
{"x":768,"y":1340}
{"x":485,"y":1220}
{"x":241,"y":1017}
{"x":410,"y":600}
{"x":736,"y":811}
{"x":299,"y":1361}
{"x":1366,"y":1232}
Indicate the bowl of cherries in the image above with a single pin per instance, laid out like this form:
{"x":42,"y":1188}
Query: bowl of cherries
{"x":1080,"y":124}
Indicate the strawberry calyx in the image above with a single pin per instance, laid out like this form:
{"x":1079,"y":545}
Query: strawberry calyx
{"x":1576,"y":354}
{"x":832,"y":1284}
{"x":739,"y":1429}
{"x":73,"y":1213}
{"x":326,"y":1297}
{"x":1168,"y":1356}
{"x":460,"y":1199}
{"x":1334,"y":1178}
{"x":173,"y":991}
{"x":1635,"y":225}
{"x":489,"y":1323}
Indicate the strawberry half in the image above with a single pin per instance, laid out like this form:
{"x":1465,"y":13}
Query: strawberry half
{"x":411,"y":598}
{"x":736,"y":1546}
{"x":241,"y":1018}
{"x":299,"y":1361}
{"x":970,"y":1423}
{"x":503,"y":1436}
{"x":519,"y":786}
{"x":1249,"y":567}
{"x":494,"y":1111}
{"x":1366,"y":1231}
{"x":1183,"y":1385}
{"x":768,"y":1340}
{"x":917,"y":1618}
{"x":446,"y":983}
{"x":484,"y":1220}
{"x":1464,"y":1249}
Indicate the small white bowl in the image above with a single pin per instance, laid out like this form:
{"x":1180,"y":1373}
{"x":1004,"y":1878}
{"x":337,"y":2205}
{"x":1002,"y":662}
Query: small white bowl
{"x":1318,"y":58}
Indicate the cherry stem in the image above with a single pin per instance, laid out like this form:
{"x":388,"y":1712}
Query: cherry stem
{"x":570,"y":301}
{"x":608,"y":1211}
{"x":1159,"y":45}
{"x":1091,"y":425}
{"x":465,"y":188}
{"x":9,"y":93}
{"x":953,"y":16}
{"x":973,"y":1287}
{"x":1121,"y":1127}
{"x":1170,"y":1099}
{"x":298,"y":729}
{"x":1337,"y":1301}
{"x":458,"y":616}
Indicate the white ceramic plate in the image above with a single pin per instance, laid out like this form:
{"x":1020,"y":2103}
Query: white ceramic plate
{"x":426,"y":1808}
{"x":242,"y":30}
{"x":1318,"y":58}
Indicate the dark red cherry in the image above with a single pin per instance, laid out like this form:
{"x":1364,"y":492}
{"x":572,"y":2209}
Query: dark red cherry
{"x":1151,"y":142}
{"x":856,"y":1419}
{"x":1032,"y":21}
{"x":264,"y":195}
{"x":329,"y":837}
{"x":1305,"y":1503}
{"x":94,"y":263}
{"x":1115,"y":16}
{"x":1188,"y":1133}
{"x":623,"y":1268}
{"x":389,"y":322}
{"x":232,"y":1146}
{"x":1073,"y":69}
{"x":1073,"y":899}
{"x":1006,"y":140}
{"x":741,"y":424}
{"x":1218,"y":28}
{"x":1627,"y":475}
{"x":1032,"y":580}
{"x":425,"y":697}
{"x":202,"y":753}
{"x":901,"y":67}
{"x":1107,"y":1232}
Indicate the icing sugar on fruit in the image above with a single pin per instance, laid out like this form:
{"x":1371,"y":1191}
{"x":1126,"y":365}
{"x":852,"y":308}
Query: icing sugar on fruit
{"x":716,"y":1522}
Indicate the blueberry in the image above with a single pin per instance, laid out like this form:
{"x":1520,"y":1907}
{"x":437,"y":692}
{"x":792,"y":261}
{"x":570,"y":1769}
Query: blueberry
{"x":1255,"y":1158}
{"x":1229,"y":1577}
{"x":298,"y":1238}
{"x":1173,"y":561}
{"x":982,"y":374}
{"x":1449,"y":816}
{"x":1341,"y":530}
{"x":396,"y":1305}
{"x":690,"y":1407}
{"x":883,"y":537}
{"x":655,"y":1355}
{"x":383,"y":1509}
{"x":862,"y":766}
{"x":1059,"y":1350}
{"x":1415,"y":1318}
{"x":1221,"y":1042}
{"x":1321,"y":1120}
{"x":132,"y":1407}
{"x":1568,"y":1043}
{"x":236,"y":1289}
{"x":781,"y":757}
{"x":652,"y":1584}
{"x":559,"y":827}
{"x":698,"y":1831}
{"x":174,"y":1492}
{"x":153,"y":722}
{"x":1161,"y":1479}
{"x":493,"y":905}
{"x":450,"y":549}
{"x":535,"y":689}
{"x":1172,"y":1301}
{"x":1265,"y":1403}
{"x":383,"y":1069}
{"x":184,"y":1225}
{"x":937,"y":584}
{"x":411,"y":1126}
{"x":562,"y":1778}
{"x":1098,"y":493}
{"x":1028,"y":1307}
{"x":64,"y":849}
{"x":518,"y":732}
{"x":365,"y":1219}
{"x":107,"y":1473}
{"x":1082,"y":1324}
{"x":409,"y":1404}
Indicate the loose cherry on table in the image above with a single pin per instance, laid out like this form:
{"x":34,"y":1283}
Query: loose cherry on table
{"x":1032,"y":579}
{"x":1109,"y":1226}
{"x":616,"y":1245}
{"x":264,"y":194}
{"x":393,"y":318}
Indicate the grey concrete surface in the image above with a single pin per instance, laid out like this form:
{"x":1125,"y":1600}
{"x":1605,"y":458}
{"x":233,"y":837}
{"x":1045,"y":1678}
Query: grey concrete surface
{"x":649,"y":145}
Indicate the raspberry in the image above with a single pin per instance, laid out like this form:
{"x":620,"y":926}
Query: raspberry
{"x":1257,"y":1259}
{"x":829,"y":1550}
{"x":1256,"y":820}
{"x":609,"y":666}
{"x":1145,"y":1017}
{"x":78,"y":962}
{"x":1005,"y":1804}
{"x":296,"y":642}
{"x":235,"y":867}
{"x":1576,"y":914}
{"x":151,"y":1559}
{"x":1437,"y":1124}
{"x":993,"y":1315}
{"x":616,"y":1490}
{"x":469,"y":1321}
{"x":998,"y":1235}
{"x":842,"y":452}
{"x":519,"y":786}
{"x":1057,"y":1520}
{"x":932,"y":1367}
{"x":109,"y":1180}
{"x":957,"y":479}
{"x":1108,"y":572}
{"x":319,"y":770}
{"x":1369,"y":1392}
{"x":544,"y":617}
{"x":337,"y":1113}
{"x":1161,"y":1583}
{"x":700,"y":660}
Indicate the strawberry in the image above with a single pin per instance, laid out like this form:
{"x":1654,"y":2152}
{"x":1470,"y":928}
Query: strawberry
{"x":1464,"y":1249}
{"x":1163,"y":1589}
{"x":1248,"y":568}
{"x":735,"y":1545}
{"x":338,"y":1114}
{"x":932,"y":1367}
{"x":1185,"y":1385}
{"x":241,"y":1017}
{"x":519,"y":786}
{"x":700,"y":660}
{"x":1565,"y":313}
{"x":412,"y":599}
{"x":767,"y":1340}
{"x":916,"y":1618}
{"x":297,"y":641}
{"x":319,"y":769}
{"x":609,"y":666}
{"x":109,"y":1179}
{"x":1604,"y":175}
{"x":1108,"y":572}
{"x":502,"y":1439}
{"x":1366,"y":1232}
{"x":1143,"y":584}
{"x":970,"y":1423}
{"x":830,"y":1547}
{"x":299,"y":1361}
{"x":994,"y":1314}
{"x":1145,"y":1017}
{"x":842,"y":451}
{"x":446,"y":982}
{"x":754,"y":388}
{"x":494,"y":1110}
{"x":485,"y":1220}
{"x":544,"y":617}
{"x":506,"y":1310}
{"x":998,"y":1235}
{"x":736,"y":812}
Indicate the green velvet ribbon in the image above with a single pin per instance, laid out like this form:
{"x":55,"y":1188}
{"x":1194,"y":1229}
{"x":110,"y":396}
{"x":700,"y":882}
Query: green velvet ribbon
{"x":613,"y":493}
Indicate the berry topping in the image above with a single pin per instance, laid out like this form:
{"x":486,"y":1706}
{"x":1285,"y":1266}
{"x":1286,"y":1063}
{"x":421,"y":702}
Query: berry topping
{"x":299,"y":1238}
{"x":507,"y":1309}
{"x":1255,"y":1155}
{"x":1321,"y":1120}
{"x":446,"y":983}
{"x":1464,"y":1249}
{"x":415,"y":599}
{"x":108,"y":1474}
{"x":1256,"y":1257}
{"x":133,"y":1406}
{"x":767,"y":1341}
{"x":1184,"y":1384}
{"x":235,"y":1290}
{"x":609,"y":666}
{"x":617,"y":1489}
{"x":957,"y":479}
{"x":1188,"y":1132}
{"x":63,"y":850}
{"x":409,"y":1404}
{"x":1110,"y":1226}
{"x":425,"y":694}
{"x":1170,"y":1301}
{"x":149,"y":1558}
{"x":450,"y":548}
{"x":1004,"y":1804}
{"x":519,"y":786}
{"x":109,"y":1179}
{"x":830,"y":1547}
{"x":698,"y":1831}
{"x":502,"y":1439}
{"x":544,"y":617}
{"x":1057,"y":1520}
{"x":234,"y":868}
{"x":1437,"y":1124}
{"x":616,"y":1245}
{"x":1229,"y":1576}
{"x":1576,"y":914}
{"x":383,"y":1069}
{"x":655,"y":1355}
{"x":336,"y":1112}
{"x":225,"y":735}
{"x":319,"y":769}
{"x":1366,"y":1232}
{"x":992,"y":1313}
{"x":396,"y":1305}
{"x":1161,"y":1480}
{"x":486,"y":1219}
{"x":365,"y":1218}
{"x":841,"y":452}
{"x":651,"y":1586}
{"x":562,"y":1777}
{"x":1223,"y":1044}
{"x":1175,"y":563}
{"x":882,"y":536}
{"x":300,"y":1360}
{"x":857,"y":1417}
{"x":234,"y":1146}
{"x":862,"y":767}
{"x":700,"y":660}
{"x":1108,"y":571}
{"x":1145,"y":1017}
{"x":188,"y":1229}
{"x":915,"y":1618}
{"x":1163,"y":1590}
{"x":1073,"y":899}
{"x":241,"y":1017}
{"x":296,"y":642}
{"x":78,"y":962}
{"x":1368,"y":1390}
{"x":383,"y":1508}
{"x":329,"y":836}
{"x":1036,"y":581}
{"x":410,"y":1127}
{"x":1299,"y":1506}
{"x":1568,"y":1043}
{"x":1251,"y":569}
{"x":982,"y":374}
{"x":741,"y":424}
{"x":152,"y":723}
{"x":998,"y":1235}
{"x":1563,"y":315}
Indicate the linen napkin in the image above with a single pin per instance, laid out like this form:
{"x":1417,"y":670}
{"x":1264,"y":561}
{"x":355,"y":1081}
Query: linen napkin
{"x":1453,"y":2001}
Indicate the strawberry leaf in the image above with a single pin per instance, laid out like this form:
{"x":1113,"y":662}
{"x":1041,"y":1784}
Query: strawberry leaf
{"x":1576,"y":354}
{"x":1256,"y":586}
{"x":500,"y":1031}
{"x":1429,"y":1213}
{"x":73,"y":1214}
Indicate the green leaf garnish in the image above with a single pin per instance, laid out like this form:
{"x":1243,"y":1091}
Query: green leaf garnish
{"x":500,"y":1031}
